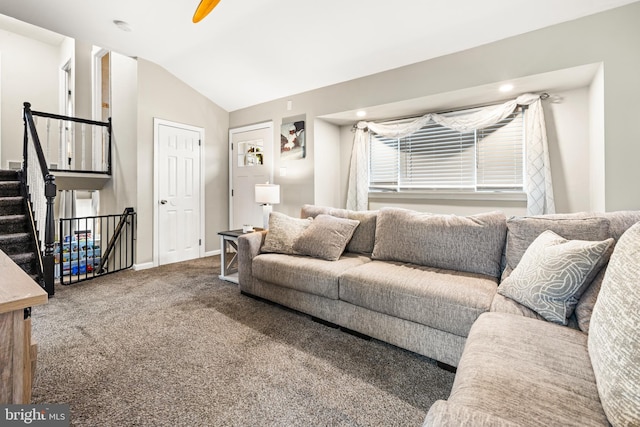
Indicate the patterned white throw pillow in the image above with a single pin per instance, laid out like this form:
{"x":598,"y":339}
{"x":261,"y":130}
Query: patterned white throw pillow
{"x":614,"y":334}
{"x":554,"y":272}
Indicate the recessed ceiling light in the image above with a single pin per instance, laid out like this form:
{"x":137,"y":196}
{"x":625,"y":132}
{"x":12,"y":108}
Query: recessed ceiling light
{"x":361,"y":113}
{"x":124,"y":26}
{"x":508,"y":87}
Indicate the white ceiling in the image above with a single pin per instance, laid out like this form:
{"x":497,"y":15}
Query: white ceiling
{"x":252,"y":51}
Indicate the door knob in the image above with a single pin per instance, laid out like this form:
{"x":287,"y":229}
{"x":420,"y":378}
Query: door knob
{"x":163,"y":202}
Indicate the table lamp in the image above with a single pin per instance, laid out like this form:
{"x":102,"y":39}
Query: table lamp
{"x":267,"y":195}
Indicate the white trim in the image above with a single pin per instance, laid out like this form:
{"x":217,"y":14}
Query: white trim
{"x":248,"y":128}
{"x":143,"y":266}
{"x":96,"y":66}
{"x":156,"y":123}
{"x":449,"y":195}
{"x":212,"y":253}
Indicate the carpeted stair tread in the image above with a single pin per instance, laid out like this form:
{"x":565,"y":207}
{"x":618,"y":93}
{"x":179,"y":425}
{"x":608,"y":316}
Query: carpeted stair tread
{"x":26,"y":261}
{"x":9,"y":188}
{"x":12,"y":219}
{"x":15,"y":243}
{"x":10,"y":224}
{"x":13,"y":237}
{"x":9,"y":175}
{"x":11,"y":205}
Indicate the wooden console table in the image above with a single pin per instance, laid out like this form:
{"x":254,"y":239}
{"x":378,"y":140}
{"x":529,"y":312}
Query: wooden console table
{"x":18,"y":293}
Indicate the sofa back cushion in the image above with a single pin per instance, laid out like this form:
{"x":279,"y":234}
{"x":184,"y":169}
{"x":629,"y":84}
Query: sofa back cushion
{"x":614,"y":333}
{"x":472,"y":244}
{"x":363,"y":237}
{"x":522,"y":231}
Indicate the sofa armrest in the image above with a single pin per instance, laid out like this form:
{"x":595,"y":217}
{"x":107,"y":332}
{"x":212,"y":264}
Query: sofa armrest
{"x":443,"y":413}
{"x":248,"y":248}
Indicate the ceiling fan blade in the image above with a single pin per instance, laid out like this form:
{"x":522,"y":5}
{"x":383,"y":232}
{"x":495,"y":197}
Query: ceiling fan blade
{"x":203,"y":9}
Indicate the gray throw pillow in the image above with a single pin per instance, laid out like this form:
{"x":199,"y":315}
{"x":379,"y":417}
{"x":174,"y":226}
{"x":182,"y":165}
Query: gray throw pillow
{"x":614,"y":333}
{"x":363,"y":238}
{"x":554,"y":272}
{"x":283,"y":231}
{"x":326,"y":237}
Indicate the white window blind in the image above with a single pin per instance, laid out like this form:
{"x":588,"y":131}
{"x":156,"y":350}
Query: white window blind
{"x":439,"y":158}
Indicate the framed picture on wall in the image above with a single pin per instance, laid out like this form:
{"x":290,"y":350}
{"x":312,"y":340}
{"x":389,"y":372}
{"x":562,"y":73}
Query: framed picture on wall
{"x":292,"y":141}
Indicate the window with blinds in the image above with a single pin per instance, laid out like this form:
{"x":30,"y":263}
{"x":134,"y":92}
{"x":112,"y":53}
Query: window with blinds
{"x":439,"y":158}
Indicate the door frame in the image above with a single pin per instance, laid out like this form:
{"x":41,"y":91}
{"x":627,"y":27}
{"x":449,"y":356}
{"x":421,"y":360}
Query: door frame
{"x":157,"y":122}
{"x":232,"y":132}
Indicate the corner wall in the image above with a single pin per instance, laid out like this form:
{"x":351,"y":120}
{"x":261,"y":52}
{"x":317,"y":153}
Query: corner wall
{"x":162,"y":95}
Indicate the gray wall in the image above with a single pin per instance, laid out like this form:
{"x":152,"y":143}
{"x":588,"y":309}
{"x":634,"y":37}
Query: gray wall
{"x":29,"y":72}
{"x":610,"y":38}
{"x":162,"y":95}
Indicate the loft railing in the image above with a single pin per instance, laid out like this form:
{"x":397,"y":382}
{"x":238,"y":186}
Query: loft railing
{"x":39,"y":189}
{"x":72,"y":144}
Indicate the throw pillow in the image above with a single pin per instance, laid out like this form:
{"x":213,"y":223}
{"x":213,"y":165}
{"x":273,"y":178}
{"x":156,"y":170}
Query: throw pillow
{"x":363,"y":238}
{"x":283,"y":231}
{"x":554,"y":272}
{"x":326,"y":237}
{"x":464,"y":243}
{"x":614,"y":333}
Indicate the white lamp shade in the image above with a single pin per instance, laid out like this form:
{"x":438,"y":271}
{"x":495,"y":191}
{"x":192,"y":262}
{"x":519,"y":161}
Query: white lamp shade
{"x":267,"y":193}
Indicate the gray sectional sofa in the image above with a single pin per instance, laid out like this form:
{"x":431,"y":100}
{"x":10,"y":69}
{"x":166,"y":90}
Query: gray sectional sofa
{"x":458,"y":290}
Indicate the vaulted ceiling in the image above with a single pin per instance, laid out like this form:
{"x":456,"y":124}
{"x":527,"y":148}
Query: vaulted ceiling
{"x":251,"y":51}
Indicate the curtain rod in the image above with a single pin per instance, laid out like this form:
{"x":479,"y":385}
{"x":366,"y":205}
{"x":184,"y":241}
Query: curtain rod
{"x":543,"y":96}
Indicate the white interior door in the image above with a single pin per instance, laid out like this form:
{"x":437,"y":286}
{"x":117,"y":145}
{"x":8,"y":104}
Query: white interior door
{"x":179,"y":193}
{"x":250,"y":163}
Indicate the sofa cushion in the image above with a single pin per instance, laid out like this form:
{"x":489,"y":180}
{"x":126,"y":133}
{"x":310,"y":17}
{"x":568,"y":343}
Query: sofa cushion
{"x":522,"y":231}
{"x":283,"y":231}
{"x":587,"y":301}
{"x":470,"y":244}
{"x":530,"y":372}
{"x":326,"y":237}
{"x":553,"y":274}
{"x":614,"y":333}
{"x":362,"y":240}
{"x":311,"y":275}
{"x":442,"y":299}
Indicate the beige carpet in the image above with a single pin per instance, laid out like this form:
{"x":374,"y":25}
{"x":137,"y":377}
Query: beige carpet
{"x":176,"y":346}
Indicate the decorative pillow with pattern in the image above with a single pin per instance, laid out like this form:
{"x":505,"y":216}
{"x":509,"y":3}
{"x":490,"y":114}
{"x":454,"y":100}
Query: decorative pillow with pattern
{"x":554,"y":272}
{"x":283,"y":231}
{"x":326,"y":237}
{"x":614,"y":334}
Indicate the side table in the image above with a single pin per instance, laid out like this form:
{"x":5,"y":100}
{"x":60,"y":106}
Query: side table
{"x":229,"y":254}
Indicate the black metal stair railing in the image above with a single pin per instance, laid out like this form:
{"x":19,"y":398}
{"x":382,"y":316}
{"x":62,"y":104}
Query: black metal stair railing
{"x":73,"y":144}
{"x":39,"y":190}
{"x":93,"y":246}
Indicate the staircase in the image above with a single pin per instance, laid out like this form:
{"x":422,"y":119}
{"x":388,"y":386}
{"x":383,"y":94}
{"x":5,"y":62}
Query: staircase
{"x":15,"y":237}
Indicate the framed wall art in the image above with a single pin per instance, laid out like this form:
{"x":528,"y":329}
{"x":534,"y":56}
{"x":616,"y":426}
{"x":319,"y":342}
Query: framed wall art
{"x":292,"y":141}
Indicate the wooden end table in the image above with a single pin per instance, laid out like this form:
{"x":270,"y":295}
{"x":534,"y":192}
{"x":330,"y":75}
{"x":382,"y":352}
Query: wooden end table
{"x":229,"y":254}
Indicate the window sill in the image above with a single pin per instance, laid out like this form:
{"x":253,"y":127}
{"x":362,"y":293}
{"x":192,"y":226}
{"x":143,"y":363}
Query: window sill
{"x":449,"y":195}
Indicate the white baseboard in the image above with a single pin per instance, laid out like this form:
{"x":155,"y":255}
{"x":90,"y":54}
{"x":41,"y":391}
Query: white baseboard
{"x":212,"y":253}
{"x":143,"y":266}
